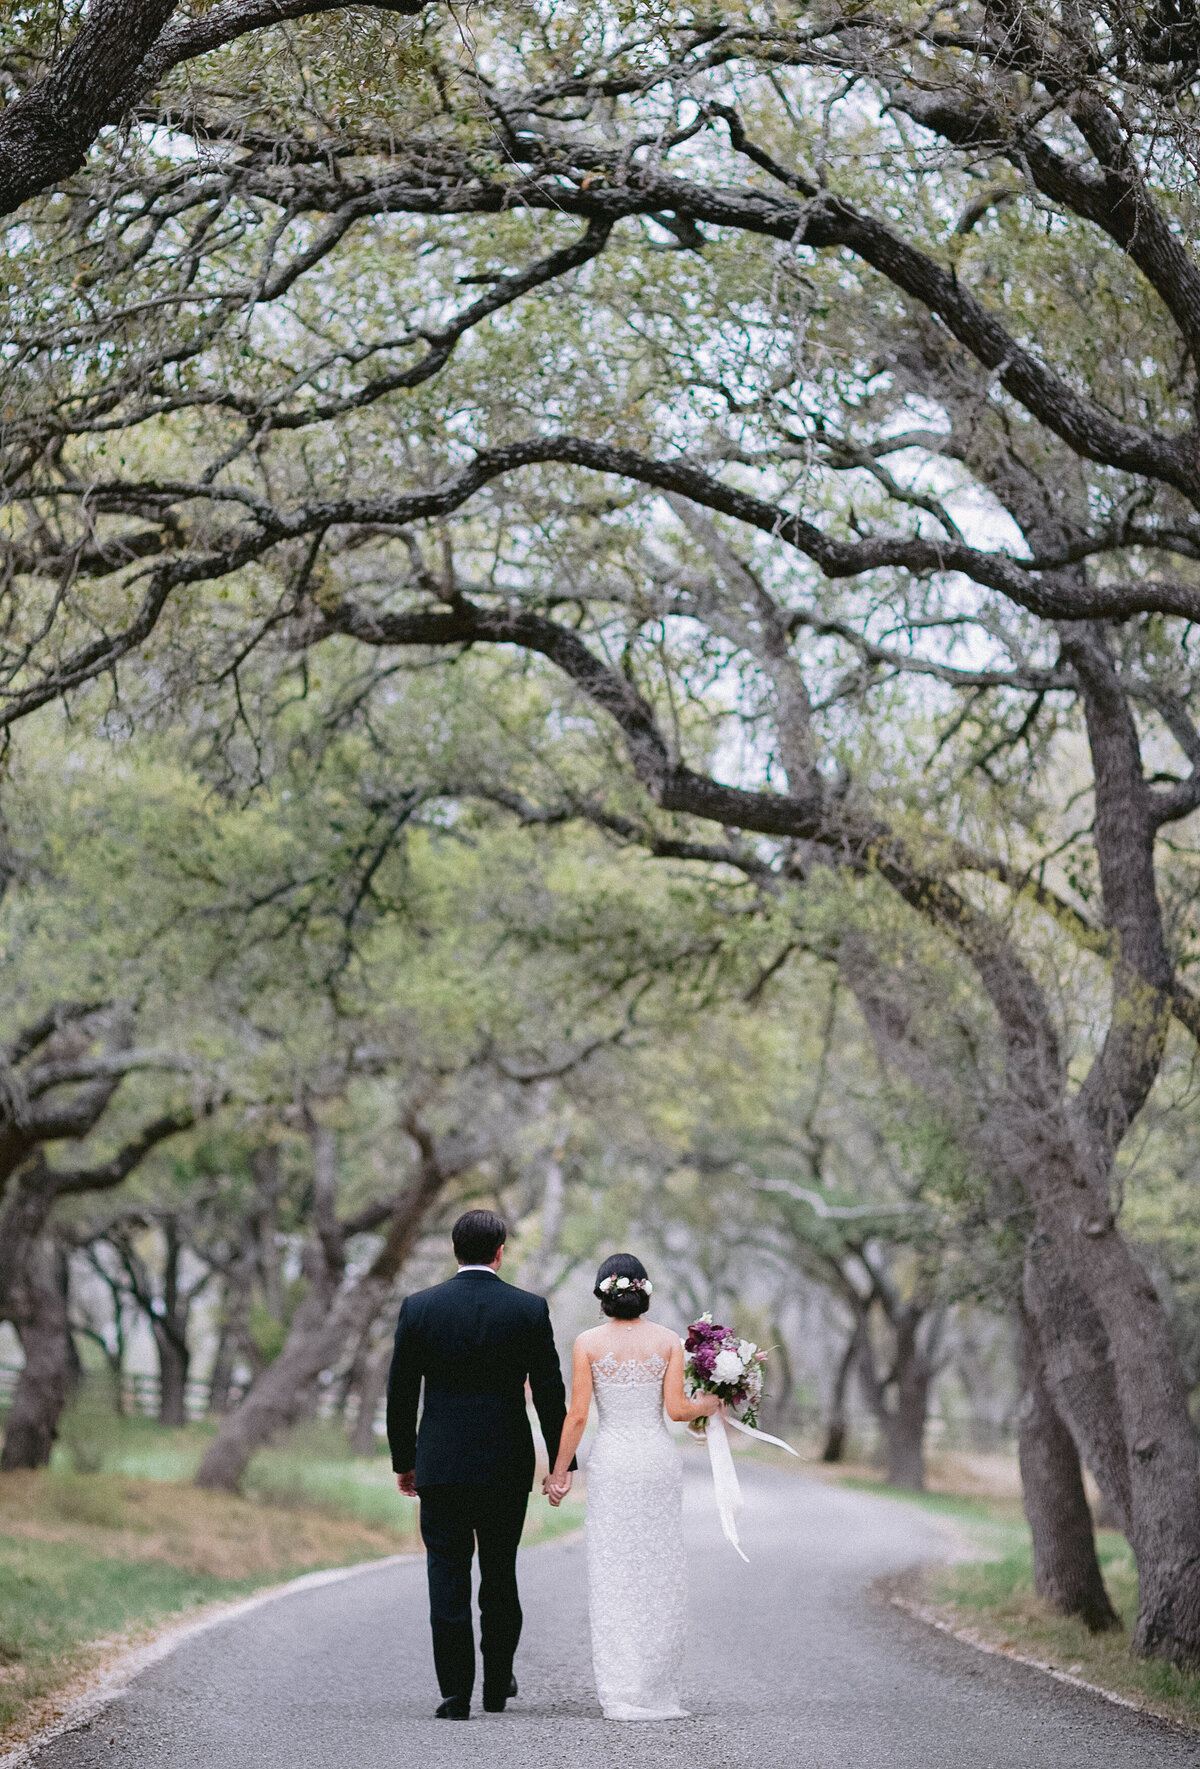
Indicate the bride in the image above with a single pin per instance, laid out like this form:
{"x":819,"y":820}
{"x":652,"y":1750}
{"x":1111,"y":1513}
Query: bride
{"x":637,"y":1576}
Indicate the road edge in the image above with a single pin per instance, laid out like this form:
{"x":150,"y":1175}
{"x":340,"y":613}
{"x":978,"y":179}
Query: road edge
{"x":87,"y":1695}
{"x":970,"y":1637}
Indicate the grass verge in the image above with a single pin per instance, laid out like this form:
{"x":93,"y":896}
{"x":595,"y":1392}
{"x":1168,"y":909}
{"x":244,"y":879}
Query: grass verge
{"x":87,"y":1561}
{"x":991,"y":1602}
{"x":988,"y":1597}
{"x":93,"y":1560}
{"x":994,"y":1601}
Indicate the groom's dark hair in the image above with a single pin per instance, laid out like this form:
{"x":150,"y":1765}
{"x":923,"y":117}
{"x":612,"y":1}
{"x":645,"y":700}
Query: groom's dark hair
{"x":478,"y":1237}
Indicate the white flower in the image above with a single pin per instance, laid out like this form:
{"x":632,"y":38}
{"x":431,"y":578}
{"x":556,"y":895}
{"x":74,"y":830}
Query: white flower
{"x":648,"y":1287}
{"x":622,"y":1283}
{"x":727,"y":1367}
{"x":746,"y":1349}
{"x":606,"y":1285}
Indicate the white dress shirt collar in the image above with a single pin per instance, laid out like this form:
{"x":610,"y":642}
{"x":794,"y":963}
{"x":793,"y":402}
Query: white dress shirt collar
{"x":487,"y":1268}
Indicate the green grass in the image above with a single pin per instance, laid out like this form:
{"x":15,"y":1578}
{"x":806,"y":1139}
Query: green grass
{"x":996,"y":1526}
{"x":994,"y":1599}
{"x":366,"y":1490}
{"x":311,"y":1469}
{"x":55,"y":1598}
{"x":113,"y":1539}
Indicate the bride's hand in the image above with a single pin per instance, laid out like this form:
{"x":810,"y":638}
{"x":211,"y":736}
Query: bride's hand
{"x":710,"y":1405}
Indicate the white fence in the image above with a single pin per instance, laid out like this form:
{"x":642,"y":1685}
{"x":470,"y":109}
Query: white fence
{"x":139,"y":1391}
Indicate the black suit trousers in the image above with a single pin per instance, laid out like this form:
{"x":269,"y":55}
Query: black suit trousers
{"x":454,"y":1519}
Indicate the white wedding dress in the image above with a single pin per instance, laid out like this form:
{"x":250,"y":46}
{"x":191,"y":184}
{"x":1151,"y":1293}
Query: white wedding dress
{"x":637,"y":1574}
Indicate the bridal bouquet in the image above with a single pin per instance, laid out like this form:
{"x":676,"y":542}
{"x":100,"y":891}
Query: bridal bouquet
{"x":716,"y":1361}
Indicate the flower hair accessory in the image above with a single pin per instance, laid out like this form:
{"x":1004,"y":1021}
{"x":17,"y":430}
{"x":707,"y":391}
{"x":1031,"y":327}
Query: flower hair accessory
{"x":607,"y":1286}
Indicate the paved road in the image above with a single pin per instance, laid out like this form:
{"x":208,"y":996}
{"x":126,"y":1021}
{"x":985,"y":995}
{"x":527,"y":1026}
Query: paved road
{"x":792,"y":1663}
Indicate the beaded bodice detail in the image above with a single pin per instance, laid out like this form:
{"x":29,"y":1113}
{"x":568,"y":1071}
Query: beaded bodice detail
{"x":629,"y":1392}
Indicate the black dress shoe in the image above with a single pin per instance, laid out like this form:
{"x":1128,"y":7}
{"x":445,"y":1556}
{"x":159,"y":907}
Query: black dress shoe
{"x":455,"y":1707}
{"x":494,"y":1704}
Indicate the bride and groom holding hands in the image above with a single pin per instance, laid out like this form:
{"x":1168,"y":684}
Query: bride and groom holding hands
{"x":472,"y":1343}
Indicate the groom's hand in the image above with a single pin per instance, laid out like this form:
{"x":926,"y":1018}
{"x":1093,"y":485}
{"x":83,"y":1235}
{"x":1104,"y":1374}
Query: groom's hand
{"x":408,"y":1483}
{"x":557,"y":1490}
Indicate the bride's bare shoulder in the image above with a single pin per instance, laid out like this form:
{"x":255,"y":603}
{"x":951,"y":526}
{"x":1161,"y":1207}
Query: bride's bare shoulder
{"x":589,"y":1338}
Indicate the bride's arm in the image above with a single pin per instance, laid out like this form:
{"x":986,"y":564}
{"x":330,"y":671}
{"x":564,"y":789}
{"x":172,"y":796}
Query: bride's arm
{"x":558,"y":1482}
{"x":679,"y":1406}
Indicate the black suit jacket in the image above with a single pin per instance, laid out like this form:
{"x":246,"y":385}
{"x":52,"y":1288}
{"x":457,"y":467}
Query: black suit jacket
{"x":473,"y":1341}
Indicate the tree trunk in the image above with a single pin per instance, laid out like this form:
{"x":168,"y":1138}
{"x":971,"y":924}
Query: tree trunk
{"x":169,"y":1324}
{"x":44,"y":1385}
{"x":836,"y":1425}
{"x":26,"y":1201}
{"x":220,"y":1378}
{"x":115,"y":1364}
{"x":905,"y":1428}
{"x":1066,"y":1572}
{"x":265,"y":1167}
{"x":1069,"y":1167}
{"x":903,"y":1423}
{"x":781,"y":1393}
{"x":233,"y":1340}
{"x":1077,"y":1369}
{"x":174,"y":1361}
{"x":321,"y":1330}
{"x":278,"y":1399}
{"x":1163,"y":1461}
{"x":354,"y":1375}
{"x":371,"y":1391}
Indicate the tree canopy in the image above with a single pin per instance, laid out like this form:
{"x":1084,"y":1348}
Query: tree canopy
{"x":762,"y":443}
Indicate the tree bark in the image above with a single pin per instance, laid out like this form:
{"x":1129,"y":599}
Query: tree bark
{"x":370,"y":1392}
{"x":44,"y":1385}
{"x":45,"y":135}
{"x":233,"y":1335}
{"x":1066,"y":1572}
{"x":905,"y":1423}
{"x":169,"y":1325}
{"x":836,"y":1425}
{"x":1077,"y":1369}
{"x":1164,"y":1475}
{"x":1060,"y":1150}
{"x":780,"y":1394}
{"x":323,"y":1326}
{"x":317,"y":1339}
{"x":29,"y":1186}
{"x":174,"y":1362}
{"x":545,"y":1266}
{"x":910,"y":1377}
{"x":1072,"y":1187}
{"x":123,"y":48}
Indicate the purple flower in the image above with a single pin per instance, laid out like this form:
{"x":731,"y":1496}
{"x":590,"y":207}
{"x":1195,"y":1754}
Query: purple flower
{"x":706,"y":1333}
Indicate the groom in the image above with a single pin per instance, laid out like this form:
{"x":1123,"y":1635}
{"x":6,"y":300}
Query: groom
{"x":473,"y":1342}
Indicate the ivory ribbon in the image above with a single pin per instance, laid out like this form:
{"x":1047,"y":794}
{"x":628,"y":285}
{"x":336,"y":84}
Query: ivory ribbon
{"x":762,"y":1436}
{"x":725,"y":1480}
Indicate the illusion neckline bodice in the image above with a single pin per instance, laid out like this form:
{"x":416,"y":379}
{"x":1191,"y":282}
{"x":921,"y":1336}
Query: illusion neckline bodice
{"x":631,"y":1371}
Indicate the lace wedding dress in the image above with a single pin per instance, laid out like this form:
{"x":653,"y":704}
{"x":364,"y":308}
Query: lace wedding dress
{"x":637,"y":1574}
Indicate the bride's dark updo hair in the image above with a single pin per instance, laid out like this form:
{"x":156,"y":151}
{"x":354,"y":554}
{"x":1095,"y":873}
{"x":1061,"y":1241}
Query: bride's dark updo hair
{"x":633,"y":1296}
